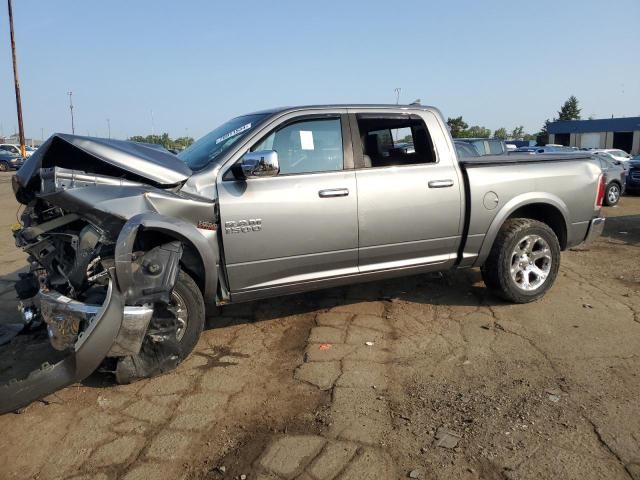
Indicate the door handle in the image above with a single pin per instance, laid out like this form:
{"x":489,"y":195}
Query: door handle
{"x":333,"y":192}
{"x":440,"y":183}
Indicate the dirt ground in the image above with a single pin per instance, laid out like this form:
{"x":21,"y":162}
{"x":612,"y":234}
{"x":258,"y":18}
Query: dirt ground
{"x":424,"y":377}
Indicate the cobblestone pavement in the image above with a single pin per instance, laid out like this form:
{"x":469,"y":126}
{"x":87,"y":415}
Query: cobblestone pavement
{"x":420,"y":377}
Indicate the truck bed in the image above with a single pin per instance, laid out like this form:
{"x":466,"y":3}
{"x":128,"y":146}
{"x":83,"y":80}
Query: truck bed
{"x":496,"y":185}
{"x":516,"y":158}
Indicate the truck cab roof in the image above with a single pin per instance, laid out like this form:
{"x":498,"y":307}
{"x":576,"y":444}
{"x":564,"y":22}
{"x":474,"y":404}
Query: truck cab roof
{"x":330,"y":106}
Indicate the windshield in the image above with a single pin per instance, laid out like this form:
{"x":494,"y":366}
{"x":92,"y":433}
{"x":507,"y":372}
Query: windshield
{"x":496,"y":147}
{"x":479,"y":146}
{"x":619,"y":153}
{"x":465,"y":150}
{"x":216,"y":143}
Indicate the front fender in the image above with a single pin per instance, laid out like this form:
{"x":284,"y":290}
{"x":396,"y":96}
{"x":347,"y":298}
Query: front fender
{"x":507,"y":210}
{"x":206,"y":246}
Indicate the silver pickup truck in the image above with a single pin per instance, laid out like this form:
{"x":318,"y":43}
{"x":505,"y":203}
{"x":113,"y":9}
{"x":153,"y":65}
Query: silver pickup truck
{"x":129,"y":245}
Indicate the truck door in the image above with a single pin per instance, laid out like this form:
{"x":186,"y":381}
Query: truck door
{"x":409,"y":198}
{"x":298,"y":226}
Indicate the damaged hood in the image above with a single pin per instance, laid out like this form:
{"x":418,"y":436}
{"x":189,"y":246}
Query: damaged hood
{"x":117,"y":158}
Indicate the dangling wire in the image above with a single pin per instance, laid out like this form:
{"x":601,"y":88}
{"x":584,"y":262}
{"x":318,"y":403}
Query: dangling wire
{"x":18,"y":213}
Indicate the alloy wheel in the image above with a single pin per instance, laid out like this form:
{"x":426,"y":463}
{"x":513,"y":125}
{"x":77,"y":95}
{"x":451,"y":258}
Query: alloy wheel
{"x":530,"y":262}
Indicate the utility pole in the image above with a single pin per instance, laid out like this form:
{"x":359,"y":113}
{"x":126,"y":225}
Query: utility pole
{"x":109,"y":127}
{"x":73,"y":128}
{"x":397,"y":90}
{"x":23,"y":150}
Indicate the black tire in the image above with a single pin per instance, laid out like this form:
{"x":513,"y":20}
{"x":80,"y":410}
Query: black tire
{"x":188,"y":290}
{"x":612,"y":195}
{"x":4,"y":167}
{"x":496,"y":270}
{"x":155,"y":358}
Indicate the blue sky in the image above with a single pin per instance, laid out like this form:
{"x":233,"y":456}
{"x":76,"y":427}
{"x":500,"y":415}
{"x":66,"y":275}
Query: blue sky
{"x":197,"y":63}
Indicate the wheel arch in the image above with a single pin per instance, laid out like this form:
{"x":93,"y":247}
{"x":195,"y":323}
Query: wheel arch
{"x":199,"y":257}
{"x":544,"y":207}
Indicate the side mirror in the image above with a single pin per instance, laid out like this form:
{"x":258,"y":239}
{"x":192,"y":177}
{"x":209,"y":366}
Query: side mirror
{"x":262,"y":163}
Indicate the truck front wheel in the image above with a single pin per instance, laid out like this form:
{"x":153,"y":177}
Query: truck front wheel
{"x":188,"y":307}
{"x":523,"y":262}
{"x":172,"y":335}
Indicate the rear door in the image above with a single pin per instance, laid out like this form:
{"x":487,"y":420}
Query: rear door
{"x":409,"y":198}
{"x":301,"y":225}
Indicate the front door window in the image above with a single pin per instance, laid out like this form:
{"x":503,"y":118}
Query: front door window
{"x":309,"y":146}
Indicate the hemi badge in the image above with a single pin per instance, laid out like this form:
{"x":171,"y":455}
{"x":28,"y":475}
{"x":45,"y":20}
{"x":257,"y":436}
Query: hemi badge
{"x":203,"y":225}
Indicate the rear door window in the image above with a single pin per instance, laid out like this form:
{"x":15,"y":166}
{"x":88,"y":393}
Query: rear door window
{"x":394,"y":140}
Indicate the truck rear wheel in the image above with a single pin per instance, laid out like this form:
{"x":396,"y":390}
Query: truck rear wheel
{"x":524,"y":260}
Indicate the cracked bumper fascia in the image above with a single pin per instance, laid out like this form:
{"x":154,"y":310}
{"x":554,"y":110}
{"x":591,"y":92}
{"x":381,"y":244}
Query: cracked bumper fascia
{"x":89,"y":350}
{"x":63,"y":315}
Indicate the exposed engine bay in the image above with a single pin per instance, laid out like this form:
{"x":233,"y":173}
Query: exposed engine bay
{"x":104,"y":261}
{"x":71,"y":263}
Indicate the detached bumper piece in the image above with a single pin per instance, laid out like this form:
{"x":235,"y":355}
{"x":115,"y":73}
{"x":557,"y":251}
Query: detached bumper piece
{"x":595,"y":230}
{"x":64,"y":316}
{"x":87,"y":352}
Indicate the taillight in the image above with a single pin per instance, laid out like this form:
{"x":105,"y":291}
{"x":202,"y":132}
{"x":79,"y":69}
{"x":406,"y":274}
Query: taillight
{"x":600,"y":194}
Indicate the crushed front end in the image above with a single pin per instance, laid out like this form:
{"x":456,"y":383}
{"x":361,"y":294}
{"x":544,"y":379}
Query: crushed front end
{"x":70,"y":227}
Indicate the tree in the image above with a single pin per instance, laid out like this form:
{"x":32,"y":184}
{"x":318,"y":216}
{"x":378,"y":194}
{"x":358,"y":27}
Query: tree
{"x":165,"y":140}
{"x":542,"y":138}
{"x":570,"y":109}
{"x":545,"y":128}
{"x":182,"y":142}
{"x":500,"y":133}
{"x":457,"y":126}
{"x":518,"y":133}
{"x":476,"y":131}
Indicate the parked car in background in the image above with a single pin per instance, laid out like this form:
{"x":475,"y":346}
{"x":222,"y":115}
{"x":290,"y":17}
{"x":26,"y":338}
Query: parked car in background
{"x":9,"y":161}
{"x":612,"y":153}
{"x":486,"y":146}
{"x":614,"y":179}
{"x":633,"y":175}
{"x":15,"y":149}
{"x":529,"y":150}
{"x":405,"y":147}
{"x":546,"y":149}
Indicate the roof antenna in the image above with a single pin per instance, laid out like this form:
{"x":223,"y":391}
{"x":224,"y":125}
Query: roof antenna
{"x":415,"y":102}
